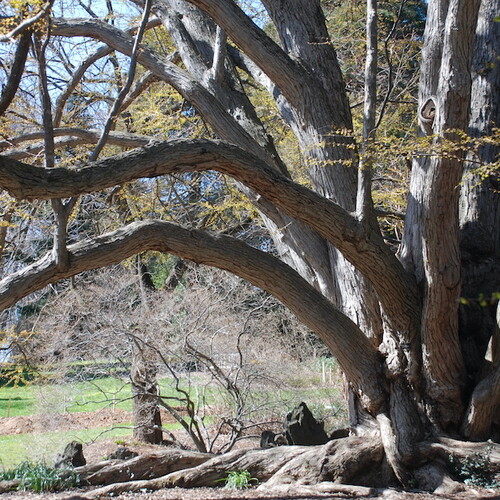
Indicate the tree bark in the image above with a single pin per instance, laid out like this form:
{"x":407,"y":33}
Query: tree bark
{"x":145,"y":393}
{"x":480,"y":231}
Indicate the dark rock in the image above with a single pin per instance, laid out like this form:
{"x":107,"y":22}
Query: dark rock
{"x":267,"y":439}
{"x":339,"y":433}
{"x":72,"y":456}
{"x":303,"y":429}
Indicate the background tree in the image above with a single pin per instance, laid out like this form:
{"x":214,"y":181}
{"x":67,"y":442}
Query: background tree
{"x":392,"y":321}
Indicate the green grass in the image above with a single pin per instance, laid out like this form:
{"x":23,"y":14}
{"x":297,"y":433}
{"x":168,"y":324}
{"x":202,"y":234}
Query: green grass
{"x":15,"y":449}
{"x":112,"y":392}
{"x":72,"y":397}
{"x":16,"y":401}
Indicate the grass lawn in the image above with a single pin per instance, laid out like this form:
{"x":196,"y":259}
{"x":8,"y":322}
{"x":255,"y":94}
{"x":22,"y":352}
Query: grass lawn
{"x":72,"y":397}
{"x":44,"y":446}
{"x":17,"y":401}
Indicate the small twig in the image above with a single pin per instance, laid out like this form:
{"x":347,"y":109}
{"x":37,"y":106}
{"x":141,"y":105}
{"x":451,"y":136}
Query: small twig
{"x":389,"y":62}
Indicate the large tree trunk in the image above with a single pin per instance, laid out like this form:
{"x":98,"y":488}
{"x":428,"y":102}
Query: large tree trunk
{"x":480,"y":237}
{"x":428,"y":251}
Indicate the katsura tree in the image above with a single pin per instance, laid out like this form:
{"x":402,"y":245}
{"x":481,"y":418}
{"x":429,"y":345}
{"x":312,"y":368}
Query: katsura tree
{"x":413,"y":328}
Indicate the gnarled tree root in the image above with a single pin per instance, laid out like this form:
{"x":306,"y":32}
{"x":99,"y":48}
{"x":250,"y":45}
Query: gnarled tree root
{"x":354,"y":461}
{"x":351,"y":460}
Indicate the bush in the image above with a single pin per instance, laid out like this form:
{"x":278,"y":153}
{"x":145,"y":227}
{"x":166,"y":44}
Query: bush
{"x":38,"y":477}
{"x":13,"y":374}
{"x":474,"y":470}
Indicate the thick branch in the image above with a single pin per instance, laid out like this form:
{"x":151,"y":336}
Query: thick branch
{"x":367,"y":252}
{"x":284,"y":72}
{"x":355,"y":353}
{"x":10,"y":88}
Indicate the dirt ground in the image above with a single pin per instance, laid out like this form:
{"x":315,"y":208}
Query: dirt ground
{"x":227,"y":494}
{"x":95,"y":452}
{"x":68,"y":421}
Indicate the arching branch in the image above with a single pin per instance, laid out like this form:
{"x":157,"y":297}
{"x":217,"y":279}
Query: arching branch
{"x":368,"y":253}
{"x":350,"y":346}
{"x":223,"y":124}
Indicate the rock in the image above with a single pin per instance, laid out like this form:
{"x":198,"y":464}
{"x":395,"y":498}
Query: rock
{"x":72,"y":456}
{"x":122,"y":453}
{"x":269,"y":439}
{"x":339,"y":433}
{"x":303,"y":429}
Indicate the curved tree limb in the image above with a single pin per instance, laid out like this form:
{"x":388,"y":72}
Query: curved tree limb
{"x":223,"y":114}
{"x":355,"y":353}
{"x":371,"y":256}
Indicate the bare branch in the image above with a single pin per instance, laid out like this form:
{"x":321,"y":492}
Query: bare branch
{"x":217,"y":69}
{"x":139,"y":87}
{"x":223,"y":124}
{"x":390,"y":83}
{"x":70,"y":136}
{"x":364,"y":204}
{"x":61,"y":212}
{"x":80,"y":71}
{"x":257,"y":45}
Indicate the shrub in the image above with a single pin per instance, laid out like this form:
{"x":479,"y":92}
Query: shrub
{"x":474,"y":470}
{"x":39,"y":477}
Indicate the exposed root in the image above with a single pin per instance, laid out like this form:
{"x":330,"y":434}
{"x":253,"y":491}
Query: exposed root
{"x":359,"y":462}
{"x":146,"y":466}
